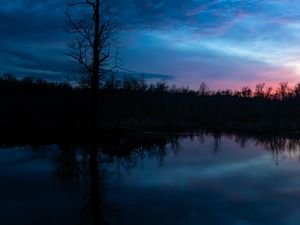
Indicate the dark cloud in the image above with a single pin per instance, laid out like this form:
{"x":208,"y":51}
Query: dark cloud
{"x":25,"y":21}
{"x":147,"y":76}
{"x":174,"y":13}
{"x":33,"y":40}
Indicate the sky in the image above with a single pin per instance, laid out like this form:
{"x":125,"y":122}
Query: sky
{"x":225,"y":43}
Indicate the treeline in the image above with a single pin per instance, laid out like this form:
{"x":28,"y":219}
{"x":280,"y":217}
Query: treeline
{"x":261,"y":90}
{"x":33,"y":108}
{"x":10,"y":80}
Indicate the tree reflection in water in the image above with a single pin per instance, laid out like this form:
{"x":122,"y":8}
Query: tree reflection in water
{"x":89,"y":171}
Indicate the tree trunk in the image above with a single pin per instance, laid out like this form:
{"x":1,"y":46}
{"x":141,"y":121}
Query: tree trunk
{"x":96,"y":48}
{"x":95,"y":72}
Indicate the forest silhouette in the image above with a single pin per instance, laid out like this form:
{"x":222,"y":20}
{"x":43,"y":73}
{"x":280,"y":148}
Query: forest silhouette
{"x":34,"y":109}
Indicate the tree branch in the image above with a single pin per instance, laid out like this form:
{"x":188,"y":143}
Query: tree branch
{"x":89,"y":2}
{"x":79,"y":28}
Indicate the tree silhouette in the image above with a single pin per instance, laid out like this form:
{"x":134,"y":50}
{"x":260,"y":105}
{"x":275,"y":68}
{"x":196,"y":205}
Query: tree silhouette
{"x":90,"y":22}
{"x":203,"y":89}
{"x":260,"y":90}
{"x":283,"y":90}
{"x":246,"y":92}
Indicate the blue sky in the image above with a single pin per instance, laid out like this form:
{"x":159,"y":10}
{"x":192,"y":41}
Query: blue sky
{"x":226,"y":43}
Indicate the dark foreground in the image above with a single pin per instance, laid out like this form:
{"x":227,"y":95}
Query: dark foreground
{"x":37,"y":111}
{"x":182,"y":179}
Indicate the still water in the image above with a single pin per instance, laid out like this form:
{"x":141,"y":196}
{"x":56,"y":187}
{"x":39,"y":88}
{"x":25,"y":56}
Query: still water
{"x":186,"y":179}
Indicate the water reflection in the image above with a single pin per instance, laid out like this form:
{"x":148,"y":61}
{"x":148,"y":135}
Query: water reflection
{"x":83,"y":170}
{"x":154,"y":178}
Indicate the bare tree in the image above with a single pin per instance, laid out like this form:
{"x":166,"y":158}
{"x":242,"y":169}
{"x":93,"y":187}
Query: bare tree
{"x":269,"y":92}
{"x":91,"y":23}
{"x":260,"y":90}
{"x":246,"y":92}
{"x":203,"y":89}
{"x":283,"y":90}
{"x":297,"y":90}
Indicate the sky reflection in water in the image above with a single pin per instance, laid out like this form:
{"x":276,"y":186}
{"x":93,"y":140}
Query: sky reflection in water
{"x":200,"y":182}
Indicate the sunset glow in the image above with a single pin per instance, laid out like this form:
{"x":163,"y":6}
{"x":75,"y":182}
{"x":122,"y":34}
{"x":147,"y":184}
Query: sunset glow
{"x":220,"y":42}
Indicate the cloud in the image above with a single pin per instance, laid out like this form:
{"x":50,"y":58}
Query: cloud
{"x":210,"y":60}
{"x":192,"y":40}
{"x":24,"y":19}
{"x":202,"y":14}
{"x":147,"y":76}
{"x":33,"y":39}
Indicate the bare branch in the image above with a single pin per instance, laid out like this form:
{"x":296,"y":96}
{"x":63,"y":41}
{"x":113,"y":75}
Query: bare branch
{"x":80,"y":60}
{"x":94,"y":31}
{"x":79,"y":28}
{"x":89,"y":2}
